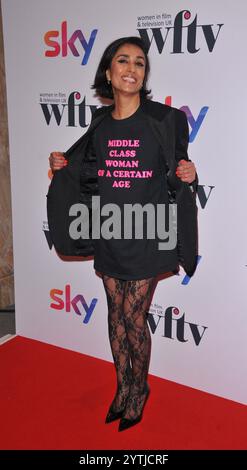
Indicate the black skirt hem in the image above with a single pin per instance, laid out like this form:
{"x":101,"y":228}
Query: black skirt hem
{"x":173,"y":268}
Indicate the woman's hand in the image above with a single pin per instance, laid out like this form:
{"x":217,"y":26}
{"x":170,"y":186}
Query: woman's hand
{"x":186,"y":171}
{"x":57,"y":161}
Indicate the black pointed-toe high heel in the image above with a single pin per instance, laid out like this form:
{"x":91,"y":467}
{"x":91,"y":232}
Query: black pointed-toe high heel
{"x":128,"y":423}
{"x":113,"y":416}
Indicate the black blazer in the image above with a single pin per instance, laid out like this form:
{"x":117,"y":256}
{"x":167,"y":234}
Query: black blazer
{"x":77,"y":183}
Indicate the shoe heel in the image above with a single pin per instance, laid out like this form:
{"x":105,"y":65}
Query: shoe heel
{"x":129,"y":423}
{"x":113,"y":416}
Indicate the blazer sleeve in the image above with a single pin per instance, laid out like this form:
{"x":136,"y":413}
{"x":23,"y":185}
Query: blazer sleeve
{"x":181,"y":136}
{"x":182,"y":140}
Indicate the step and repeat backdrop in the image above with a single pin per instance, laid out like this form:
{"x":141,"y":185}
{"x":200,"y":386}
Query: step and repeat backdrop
{"x":197,"y":52}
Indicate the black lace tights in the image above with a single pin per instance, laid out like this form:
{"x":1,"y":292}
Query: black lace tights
{"x":128,"y":303}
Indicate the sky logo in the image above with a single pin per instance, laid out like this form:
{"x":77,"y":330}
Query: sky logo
{"x":62,"y":301}
{"x":195,"y":123}
{"x":187,"y":278}
{"x":63,"y":45}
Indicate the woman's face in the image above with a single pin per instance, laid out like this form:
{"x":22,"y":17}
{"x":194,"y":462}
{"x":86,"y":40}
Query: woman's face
{"x":127,"y":70}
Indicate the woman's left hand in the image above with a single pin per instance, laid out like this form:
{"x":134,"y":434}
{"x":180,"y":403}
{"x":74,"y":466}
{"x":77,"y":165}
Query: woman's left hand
{"x":186,"y":171}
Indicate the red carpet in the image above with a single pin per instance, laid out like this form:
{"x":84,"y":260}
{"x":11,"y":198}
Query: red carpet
{"x":51,"y":398}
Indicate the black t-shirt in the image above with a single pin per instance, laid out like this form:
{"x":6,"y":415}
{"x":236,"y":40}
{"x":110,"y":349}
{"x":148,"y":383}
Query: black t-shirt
{"x":131,"y":170}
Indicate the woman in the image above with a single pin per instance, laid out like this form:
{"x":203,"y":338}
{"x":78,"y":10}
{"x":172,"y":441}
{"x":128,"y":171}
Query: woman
{"x":123,"y":147}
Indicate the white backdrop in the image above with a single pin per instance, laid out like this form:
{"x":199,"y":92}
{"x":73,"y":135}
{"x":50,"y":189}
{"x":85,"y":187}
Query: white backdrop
{"x":205,"y":75}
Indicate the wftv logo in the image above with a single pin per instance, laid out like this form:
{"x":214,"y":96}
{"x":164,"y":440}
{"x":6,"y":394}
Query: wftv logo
{"x":76,"y":110}
{"x":177,"y":33}
{"x":63,"y":44}
{"x":61,"y":300}
{"x":173,"y":325}
{"x":79,"y":113}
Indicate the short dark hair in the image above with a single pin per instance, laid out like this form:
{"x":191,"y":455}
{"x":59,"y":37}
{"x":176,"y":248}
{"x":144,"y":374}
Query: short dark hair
{"x":102,"y":87}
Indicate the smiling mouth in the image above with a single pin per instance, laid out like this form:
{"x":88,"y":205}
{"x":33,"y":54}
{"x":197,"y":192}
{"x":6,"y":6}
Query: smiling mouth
{"x":129,"y":79}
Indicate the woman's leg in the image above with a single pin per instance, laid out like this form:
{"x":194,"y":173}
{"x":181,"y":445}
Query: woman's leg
{"x":137,"y":299}
{"x":118,"y":340}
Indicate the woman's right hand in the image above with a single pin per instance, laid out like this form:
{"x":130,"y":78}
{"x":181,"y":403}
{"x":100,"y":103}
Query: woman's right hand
{"x":57,"y":161}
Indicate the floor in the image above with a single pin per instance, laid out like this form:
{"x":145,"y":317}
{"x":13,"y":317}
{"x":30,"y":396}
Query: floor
{"x":7,"y":321}
{"x":56,"y":399}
